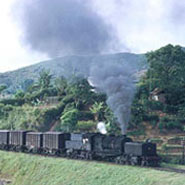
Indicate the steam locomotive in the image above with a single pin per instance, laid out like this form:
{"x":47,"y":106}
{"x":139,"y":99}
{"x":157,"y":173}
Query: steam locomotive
{"x":88,"y":146}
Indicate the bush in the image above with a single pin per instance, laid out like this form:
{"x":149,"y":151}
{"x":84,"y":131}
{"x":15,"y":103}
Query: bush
{"x":136,"y":132}
{"x":169,"y":124}
{"x":154,"y":105}
{"x":85,"y":115}
{"x":171,"y":159}
{"x":171,"y":109}
{"x":19,"y":94}
{"x":86,"y":126}
{"x":68,"y":99}
{"x":156,"y":140}
{"x":69,"y":120}
{"x":152,"y":117}
{"x":138,"y":114}
{"x":14,"y":102}
{"x":8,"y":108}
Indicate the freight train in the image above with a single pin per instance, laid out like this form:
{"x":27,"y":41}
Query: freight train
{"x":88,"y":146}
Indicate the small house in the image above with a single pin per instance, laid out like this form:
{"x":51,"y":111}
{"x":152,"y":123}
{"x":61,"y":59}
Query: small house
{"x":158,"y":95}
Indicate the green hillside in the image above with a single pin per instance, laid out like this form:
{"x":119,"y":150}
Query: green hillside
{"x":64,"y":66}
{"x":32,"y":108}
{"x":157,"y":111}
{"x":23,"y":169}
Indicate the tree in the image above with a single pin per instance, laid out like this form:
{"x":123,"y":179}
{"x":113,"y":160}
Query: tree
{"x":80,"y":89}
{"x":61,"y":85}
{"x":112,"y":125}
{"x":44,"y":81}
{"x":19,"y":94}
{"x":27,"y":85}
{"x":69,"y":120}
{"x":2,"y":88}
{"x":97,"y":109}
{"x":166,"y":71}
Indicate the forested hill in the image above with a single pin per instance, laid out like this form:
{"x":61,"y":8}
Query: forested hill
{"x":158,"y":106}
{"x":21,"y":78}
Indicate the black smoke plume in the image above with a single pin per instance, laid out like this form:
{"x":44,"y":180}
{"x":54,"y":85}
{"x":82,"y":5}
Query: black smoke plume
{"x":62,"y":27}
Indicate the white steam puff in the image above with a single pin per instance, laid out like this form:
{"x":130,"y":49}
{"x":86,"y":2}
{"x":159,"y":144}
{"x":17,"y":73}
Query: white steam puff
{"x":102,"y":128}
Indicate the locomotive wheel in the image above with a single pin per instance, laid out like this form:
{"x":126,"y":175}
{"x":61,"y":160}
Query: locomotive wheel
{"x":132,"y":163}
{"x":144,"y":163}
{"x":117,"y":161}
{"x":88,"y":156}
{"x":120,"y":160}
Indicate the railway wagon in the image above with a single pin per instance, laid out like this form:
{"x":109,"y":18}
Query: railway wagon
{"x":34,"y":142}
{"x":4,"y":139}
{"x":141,"y":153}
{"x":54,"y":142}
{"x":17,"y":140}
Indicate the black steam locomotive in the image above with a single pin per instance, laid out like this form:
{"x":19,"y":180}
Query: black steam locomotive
{"x":89,"y":146}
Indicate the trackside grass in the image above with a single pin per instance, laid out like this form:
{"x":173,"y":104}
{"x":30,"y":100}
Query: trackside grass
{"x":24,"y":169}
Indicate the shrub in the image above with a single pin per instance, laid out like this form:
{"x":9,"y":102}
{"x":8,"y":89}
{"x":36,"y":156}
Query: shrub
{"x":170,"y":109}
{"x":8,"y":108}
{"x":85,"y":115}
{"x":136,"y":132}
{"x":169,"y":124}
{"x":86,"y":126}
{"x":19,"y":94}
{"x":154,"y":105}
{"x":156,"y":140}
{"x":69,"y":120}
{"x":138,"y":114}
{"x":152,"y":118}
{"x":14,"y":102}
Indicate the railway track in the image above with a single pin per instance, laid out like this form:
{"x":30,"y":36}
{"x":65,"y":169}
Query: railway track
{"x":165,"y":169}
{"x":170,"y":169}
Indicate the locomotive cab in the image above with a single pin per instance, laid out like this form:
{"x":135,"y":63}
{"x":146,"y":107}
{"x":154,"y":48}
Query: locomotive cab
{"x":144,"y":154}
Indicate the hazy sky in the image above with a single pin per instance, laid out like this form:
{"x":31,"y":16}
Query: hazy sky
{"x":140,"y":26}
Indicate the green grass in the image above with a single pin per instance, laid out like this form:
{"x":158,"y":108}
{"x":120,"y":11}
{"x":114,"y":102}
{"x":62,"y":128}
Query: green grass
{"x":24,"y":169}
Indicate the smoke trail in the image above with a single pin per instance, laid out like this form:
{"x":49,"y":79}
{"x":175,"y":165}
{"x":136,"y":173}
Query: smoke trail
{"x":117,"y":81}
{"x":61,"y":27}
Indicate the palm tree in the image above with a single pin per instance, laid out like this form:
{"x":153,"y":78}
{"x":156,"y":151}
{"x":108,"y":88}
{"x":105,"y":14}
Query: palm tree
{"x":97,"y":109}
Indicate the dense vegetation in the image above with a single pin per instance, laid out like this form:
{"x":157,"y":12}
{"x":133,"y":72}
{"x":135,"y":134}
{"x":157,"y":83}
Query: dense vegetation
{"x":63,"y":106}
{"x":51,"y":103}
{"x":25,"y":169}
{"x":164,"y":78}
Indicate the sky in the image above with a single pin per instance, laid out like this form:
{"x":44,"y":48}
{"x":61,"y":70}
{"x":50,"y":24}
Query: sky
{"x":139,"y":26}
{"x":13,"y":53}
